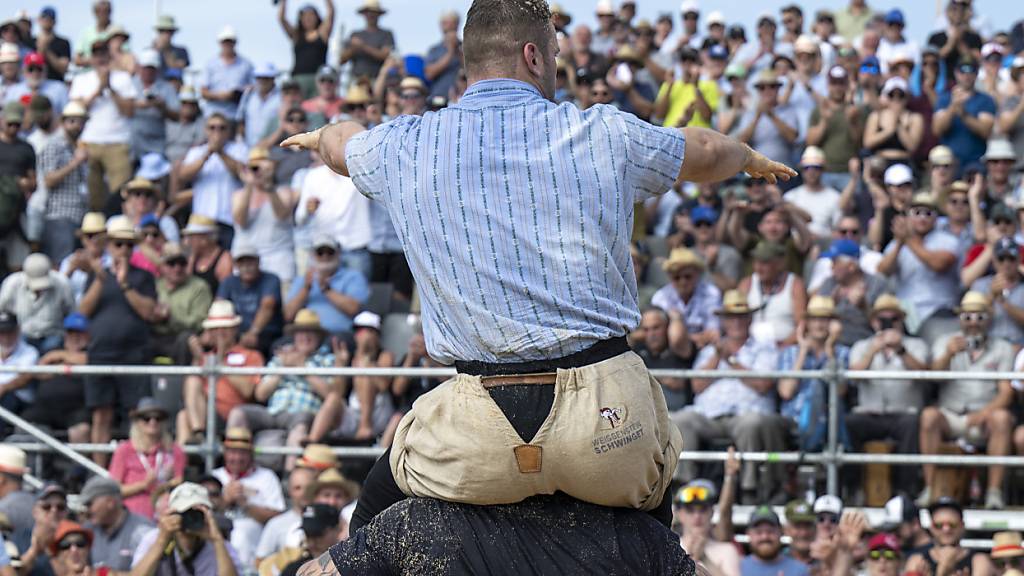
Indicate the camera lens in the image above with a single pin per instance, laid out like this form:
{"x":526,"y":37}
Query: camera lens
{"x":192,"y":520}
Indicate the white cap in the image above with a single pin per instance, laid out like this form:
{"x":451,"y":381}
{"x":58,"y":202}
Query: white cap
{"x":9,"y":53}
{"x":898,"y":174}
{"x":689,"y":6}
{"x":715,"y":17}
{"x":187,"y":496}
{"x":991,"y":48}
{"x":37,"y":271}
{"x":827,"y":503}
{"x":999,"y":149}
{"x":265,"y":70}
{"x":812,"y":156}
{"x":806,"y":45}
{"x":149,"y":57}
{"x":895,"y":83}
{"x":366,"y":319}
{"x":605,"y":7}
{"x":227,"y":33}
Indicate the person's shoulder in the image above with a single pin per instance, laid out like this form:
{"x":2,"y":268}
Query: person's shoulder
{"x":137,"y":524}
{"x":982,"y":284}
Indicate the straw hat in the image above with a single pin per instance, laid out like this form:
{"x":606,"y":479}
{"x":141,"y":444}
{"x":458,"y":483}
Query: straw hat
{"x":137,"y":184}
{"x":887,"y":303}
{"x":237,"y":437}
{"x":681,"y":258}
{"x":940,"y":156}
{"x":821,"y":307}
{"x":306,"y":319}
{"x":258,"y":153}
{"x":12,"y":460}
{"x":199,"y":224}
{"x":1007,"y":545}
{"x":974,"y":302}
{"x":93,"y":223}
{"x":371,"y":6}
{"x":412,"y":83}
{"x":923,"y":199}
{"x":74,"y":109}
{"x":120,"y":228}
{"x":221,"y":315}
{"x":357,"y":95}
{"x":317,"y":457}
{"x":331,"y":478}
{"x":627,"y":53}
{"x":734,"y":303}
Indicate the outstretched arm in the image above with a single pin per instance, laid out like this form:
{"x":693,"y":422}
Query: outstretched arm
{"x":322,"y":566}
{"x":713,"y":157}
{"x":329,"y":141}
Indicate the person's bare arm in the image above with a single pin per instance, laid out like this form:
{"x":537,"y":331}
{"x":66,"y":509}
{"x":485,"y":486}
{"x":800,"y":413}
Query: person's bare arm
{"x":329,"y":141}
{"x":981,"y":125}
{"x":788,"y":133}
{"x":263,"y":314}
{"x":713,"y":157}
{"x":322,"y":566}
{"x":188,"y":172}
{"x":942,"y":120}
{"x":937,"y":260}
{"x":347,"y":304}
{"x":970,"y":273}
{"x":282,"y":19}
{"x":1008,"y":119}
{"x":240,"y":205}
{"x":910,"y":132}
{"x":890,"y":260}
{"x":328,"y":23}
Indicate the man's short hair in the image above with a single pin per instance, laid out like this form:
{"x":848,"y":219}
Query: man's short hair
{"x":496,"y":31}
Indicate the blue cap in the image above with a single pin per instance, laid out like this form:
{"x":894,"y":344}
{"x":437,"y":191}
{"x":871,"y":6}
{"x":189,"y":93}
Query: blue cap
{"x":704,"y":214}
{"x":48,"y":12}
{"x":76,"y":322}
{"x":843,"y":247}
{"x":894,"y":16}
{"x":149,"y":220}
{"x":870,"y":65}
{"x":718,"y":52}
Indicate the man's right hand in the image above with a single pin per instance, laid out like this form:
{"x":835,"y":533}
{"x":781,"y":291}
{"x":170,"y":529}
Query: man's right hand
{"x":170,"y":524}
{"x":759,"y":166}
{"x":305,"y":140}
{"x":956,"y":345}
{"x":80,"y":156}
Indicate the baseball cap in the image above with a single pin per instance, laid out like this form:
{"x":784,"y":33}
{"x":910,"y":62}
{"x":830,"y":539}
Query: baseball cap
{"x":37,"y":271}
{"x":76,"y":322}
{"x":837,"y":73}
{"x":768,"y":250}
{"x":8,"y":321}
{"x":704,"y":214}
{"x":227,"y":33}
{"x":893,"y":84}
{"x":318,"y":518}
{"x":715,"y":17}
{"x":149,"y":59}
{"x":946,"y":503}
{"x":895,"y":16}
{"x":322,"y":240}
{"x":992,"y":48}
{"x":187,"y":496}
{"x":764,"y":514}
{"x":828,"y":504}
{"x":366,"y":319}
{"x":48,"y":12}
{"x":149,"y":219}
{"x":870,"y":65}
{"x":49,"y":489}
{"x":1007,"y":247}
{"x":940,"y":155}
{"x":98,"y":486}
{"x":34,"y":59}
{"x":14,"y":112}
{"x":900,"y":509}
{"x":812,"y":156}
{"x":718,"y":52}
{"x":884,"y":541}
{"x":799,"y":511}
{"x":1001,"y":211}
{"x":265,"y":70}
{"x":843,"y":247}
{"x":327,"y":72}
{"x":898,"y":174}
{"x":244,"y":250}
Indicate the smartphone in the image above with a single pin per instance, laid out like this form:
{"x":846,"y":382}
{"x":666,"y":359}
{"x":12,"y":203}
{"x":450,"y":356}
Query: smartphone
{"x":623,"y":73}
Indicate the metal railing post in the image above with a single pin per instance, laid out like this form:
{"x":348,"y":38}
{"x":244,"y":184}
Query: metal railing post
{"x":832,"y":449}
{"x":210,"y":456}
{"x":50,"y":441}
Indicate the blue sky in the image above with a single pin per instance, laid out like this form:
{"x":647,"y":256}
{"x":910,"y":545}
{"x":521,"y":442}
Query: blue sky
{"x":415,"y":21}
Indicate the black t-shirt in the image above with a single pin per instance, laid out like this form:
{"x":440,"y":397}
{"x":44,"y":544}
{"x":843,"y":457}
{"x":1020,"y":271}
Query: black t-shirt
{"x":669,"y":360}
{"x":16,"y":158}
{"x":309,"y":56}
{"x":61,"y":48}
{"x":540,"y":535}
{"x":969,"y":37}
{"x":118,"y":334}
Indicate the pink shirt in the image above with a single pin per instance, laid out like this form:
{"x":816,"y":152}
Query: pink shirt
{"x":128,"y":467}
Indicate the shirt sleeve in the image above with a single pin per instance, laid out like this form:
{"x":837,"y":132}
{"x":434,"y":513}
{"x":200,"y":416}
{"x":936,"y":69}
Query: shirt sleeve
{"x":271,"y":286}
{"x":653,"y":157}
{"x":363,"y":157}
{"x":144,"y":283}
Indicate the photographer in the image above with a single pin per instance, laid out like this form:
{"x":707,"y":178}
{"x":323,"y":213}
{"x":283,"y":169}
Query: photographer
{"x":187,"y":540}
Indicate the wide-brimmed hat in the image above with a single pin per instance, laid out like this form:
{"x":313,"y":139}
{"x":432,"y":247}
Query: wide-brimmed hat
{"x":66,"y":528}
{"x":199,"y":224}
{"x":137,"y":183}
{"x":999,"y":149}
{"x":974,"y":301}
{"x":923,"y":199}
{"x":1007,"y":545}
{"x":306,"y":319}
{"x":887,"y":303}
{"x":821,"y":306}
{"x":238,"y":437}
{"x":332,"y":478}
{"x":768,"y":250}
{"x":74,"y":109}
{"x":558,"y":10}
{"x":12,"y":460}
{"x":221,"y":315}
{"x":148,"y":405}
{"x":93,"y":223}
{"x":357,"y":94}
{"x":681,"y":258}
{"x":767,"y":78}
{"x":734,"y":303}
{"x":412,"y":83}
{"x":153,"y":166}
{"x":165,"y":22}
{"x":318,"y":457}
{"x":120,"y":228}
{"x":371,"y":6}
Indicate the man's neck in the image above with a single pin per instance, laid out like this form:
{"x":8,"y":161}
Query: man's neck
{"x":122,"y":515}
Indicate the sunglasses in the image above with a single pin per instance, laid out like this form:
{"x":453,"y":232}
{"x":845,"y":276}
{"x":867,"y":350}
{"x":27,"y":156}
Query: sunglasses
{"x":14,"y":123}
{"x":327,"y":81}
{"x":1006,"y":258}
{"x":847,"y":232}
{"x":69,"y":543}
{"x":325,"y":252}
{"x":883,"y":555}
{"x":92,"y":235}
{"x":140,"y":193}
{"x":175,"y":263}
{"x":353,"y":107}
{"x":122,"y":243}
{"x":1002,"y":222}
{"x":34,"y":69}
{"x":946,"y":525}
{"x":922,"y":212}
{"x":692,"y":494}
{"x":763,"y":87}
{"x":972,"y":317}
{"x":152,"y":234}
{"x":410,"y":95}
{"x":1006,"y":161}
{"x":150,"y":417}
{"x":958,"y":201}
{"x":703,"y":224}
{"x":296,"y":119}
{"x":217,"y":127}
{"x":601,"y":94}
{"x":1003,"y":563}
{"x":53,"y":507}
{"x":898,"y":94}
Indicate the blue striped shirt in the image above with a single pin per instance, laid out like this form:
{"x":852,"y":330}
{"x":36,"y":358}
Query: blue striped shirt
{"x":515,"y":215}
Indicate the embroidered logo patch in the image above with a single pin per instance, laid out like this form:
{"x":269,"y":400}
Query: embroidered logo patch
{"x":613,"y":417}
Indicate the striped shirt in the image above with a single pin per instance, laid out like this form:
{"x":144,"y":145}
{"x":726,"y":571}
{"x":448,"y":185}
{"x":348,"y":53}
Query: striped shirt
{"x":515,"y":215}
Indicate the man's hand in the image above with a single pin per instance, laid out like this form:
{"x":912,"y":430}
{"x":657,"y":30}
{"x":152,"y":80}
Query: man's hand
{"x":759,"y":166}
{"x":250,"y":340}
{"x":851,"y":527}
{"x":212,"y":532}
{"x":956,"y":345}
{"x":312,"y":205}
{"x":305,"y":140}
{"x":169,"y":525}
{"x":234,"y":493}
{"x":694,"y":543}
{"x":341,"y":353}
{"x":80,"y":156}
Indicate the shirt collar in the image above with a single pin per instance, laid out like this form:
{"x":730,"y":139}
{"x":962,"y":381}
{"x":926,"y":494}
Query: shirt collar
{"x":499,"y":90}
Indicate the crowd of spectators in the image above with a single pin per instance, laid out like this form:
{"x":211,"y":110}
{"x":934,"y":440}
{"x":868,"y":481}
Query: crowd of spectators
{"x":147,"y":216}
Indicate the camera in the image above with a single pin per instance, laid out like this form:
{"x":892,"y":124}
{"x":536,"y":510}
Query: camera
{"x":193,"y":520}
{"x":886,"y":323}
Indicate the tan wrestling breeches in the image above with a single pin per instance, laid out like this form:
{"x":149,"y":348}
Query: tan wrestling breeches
{"x":608,"y":440}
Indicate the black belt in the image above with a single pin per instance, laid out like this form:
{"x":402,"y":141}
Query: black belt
{"x":600,"y":351}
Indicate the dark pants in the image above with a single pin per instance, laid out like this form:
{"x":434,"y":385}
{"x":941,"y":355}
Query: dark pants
{"x":225,"y":235}
{"x":900,"y":428}
{"x":394,"y":268}
{"x":525,"y":406}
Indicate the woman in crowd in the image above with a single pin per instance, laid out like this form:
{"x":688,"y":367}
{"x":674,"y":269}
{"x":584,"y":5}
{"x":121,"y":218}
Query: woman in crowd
{"x":148,"y":459}
{"x":309,"y":37}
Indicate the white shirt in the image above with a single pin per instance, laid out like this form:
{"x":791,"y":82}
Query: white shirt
{"x":281,"y":531}
{"x":22,"y":355}
{"x":214,"y":185}
{"x":262,"y":488}
{"x":823,"y":206}
{"x":343,"y":213}
{"x":887,"y":50}
{"x":106,"y":125}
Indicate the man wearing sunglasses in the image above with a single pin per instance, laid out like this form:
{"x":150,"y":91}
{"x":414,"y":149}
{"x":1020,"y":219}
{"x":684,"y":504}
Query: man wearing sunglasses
{"x":335,"y":292}
{"x":884,"y":556}
{"x":945,"y":555}
{"x":922,"y":262}
{"x":49,"y":511}
{"x":35,"y":82}
{"x":70,"y":549}
{"x":1000,"y":181}
{"x":976,"y":411}
{"x":964,"y":117}
{"x":63,"y":166}
{"x":182,"y":302}
{"x":694,"y":506}
{"x":1006,"y":290}
{"x":213,"y":169}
